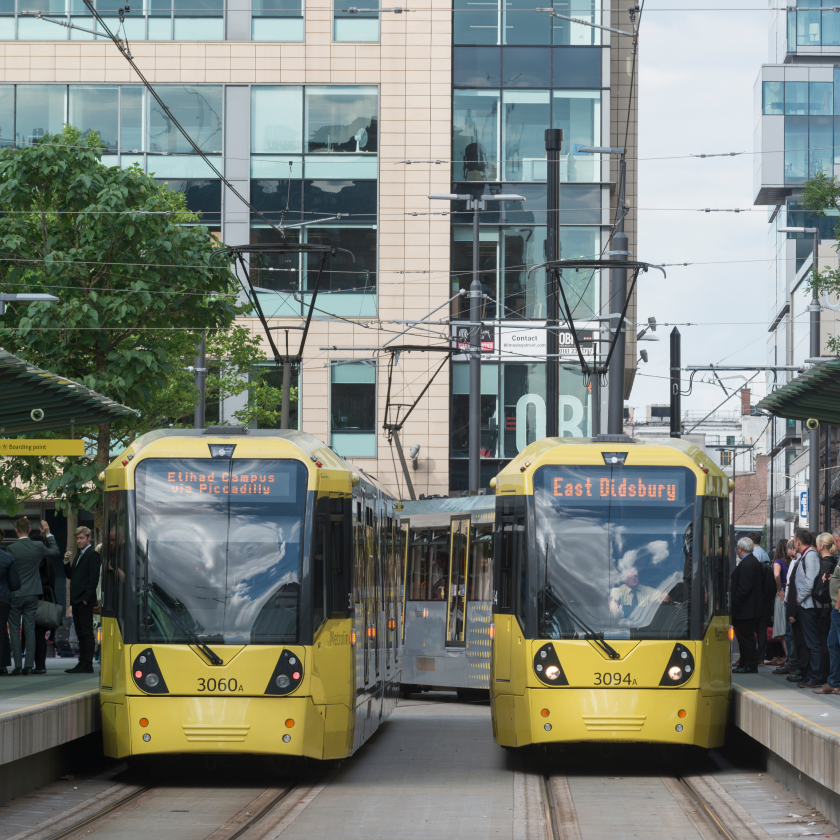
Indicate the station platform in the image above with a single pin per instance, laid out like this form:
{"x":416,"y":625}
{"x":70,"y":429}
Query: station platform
{"x":40,"y":717}
{"x":800,"y":732}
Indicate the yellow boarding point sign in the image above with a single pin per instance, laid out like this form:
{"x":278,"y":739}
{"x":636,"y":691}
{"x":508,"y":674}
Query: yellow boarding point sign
{"x":30,"y":448}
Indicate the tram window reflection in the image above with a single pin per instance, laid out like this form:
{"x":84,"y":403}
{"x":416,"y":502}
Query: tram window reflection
{"x":219,"y":550}
{"x":614,"y":551}
{"x":428,"y":564}
{"x":481,"y":564}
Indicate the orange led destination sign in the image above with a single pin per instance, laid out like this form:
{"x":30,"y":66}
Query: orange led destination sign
{"x":173,"y":482}
{"x":626,"y":485}
{"x":216,"y":483}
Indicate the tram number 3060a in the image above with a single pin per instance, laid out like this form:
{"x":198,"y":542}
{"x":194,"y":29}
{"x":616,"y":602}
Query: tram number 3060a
{"x":615,"y":678}
{"x":218,"y":685}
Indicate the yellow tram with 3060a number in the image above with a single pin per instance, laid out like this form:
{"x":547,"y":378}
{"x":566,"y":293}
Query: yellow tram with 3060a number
{"x":250,"y":597}
{"x":611,"y":594}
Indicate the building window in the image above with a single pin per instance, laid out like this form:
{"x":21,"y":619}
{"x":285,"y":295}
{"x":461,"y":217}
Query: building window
{"x":353,"y":409}
{"x":355,"y":26}
{"x":813,"y":28}
{"x":730,"y":440}
{"x":315,"y":157}
{"x":277,"y":20}
{"x":480,"y":117}
{"x":726,"y":457}
{"x":133,"y":128}
{"x":519,"y":23}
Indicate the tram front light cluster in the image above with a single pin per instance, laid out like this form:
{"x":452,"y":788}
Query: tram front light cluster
{"x":680,"y":667}
{"x":147,"y":673}
{"x":287,"y":674}
{"x":547,"y":666}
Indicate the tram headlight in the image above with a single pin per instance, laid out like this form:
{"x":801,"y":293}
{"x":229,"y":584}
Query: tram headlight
{"x":680,"y":667}
{"x":547,"y":666}
{"x":287,"y":675}
{"x":282,"y":681}
{"x":147,"y":673}
{"x":152,"y":680}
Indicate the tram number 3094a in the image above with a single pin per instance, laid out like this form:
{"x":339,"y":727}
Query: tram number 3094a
{"x":614,"y":678}
{"x":218,"y":685}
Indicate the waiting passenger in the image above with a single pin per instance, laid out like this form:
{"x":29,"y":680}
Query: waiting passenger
{"x":747,"y":605}
{"x":832,"y":685}
{"x":631,"y":594}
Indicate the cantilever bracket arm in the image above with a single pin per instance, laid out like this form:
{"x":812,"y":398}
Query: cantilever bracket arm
{"x":581,"y":264}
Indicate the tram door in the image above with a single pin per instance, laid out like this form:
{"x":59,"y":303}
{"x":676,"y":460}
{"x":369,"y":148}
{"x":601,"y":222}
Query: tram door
{"x":456,"y":612}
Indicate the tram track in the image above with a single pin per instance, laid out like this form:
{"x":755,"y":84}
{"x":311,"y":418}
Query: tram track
{"x":708,"y":808}
{"x":264,"y":816}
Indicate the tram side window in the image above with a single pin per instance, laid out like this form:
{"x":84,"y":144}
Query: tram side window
{"x":330,"y":589}
{"x":428,"y":564}
{"x":716,"y":557}
{"x":511,"y":524}
{"x":481,"y":564}
{"x":114,"y":557}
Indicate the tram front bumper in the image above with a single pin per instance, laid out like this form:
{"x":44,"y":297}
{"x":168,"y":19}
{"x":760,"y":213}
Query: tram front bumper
{"x":226,"y":725}
{"x":669,"y":716}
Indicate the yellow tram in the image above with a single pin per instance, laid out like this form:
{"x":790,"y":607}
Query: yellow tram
{"x":250,"y":597}
{"x":611,"y":594}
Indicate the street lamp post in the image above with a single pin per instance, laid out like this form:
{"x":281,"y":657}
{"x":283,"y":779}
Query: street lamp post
{"x":814,"y":434}
{"x":11,"y":298}
{"x":476,"y":204}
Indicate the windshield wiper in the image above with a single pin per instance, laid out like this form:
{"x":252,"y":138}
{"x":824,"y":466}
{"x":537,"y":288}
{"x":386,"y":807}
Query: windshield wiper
{"x":590,"y":634}
{"x":210,"y":654}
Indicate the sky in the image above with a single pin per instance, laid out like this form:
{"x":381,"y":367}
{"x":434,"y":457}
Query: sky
{"x":697,"y":70}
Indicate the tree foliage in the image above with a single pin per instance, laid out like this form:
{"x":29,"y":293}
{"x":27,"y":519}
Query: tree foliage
{"x":132,"y":269}
{"x":821,"y":194}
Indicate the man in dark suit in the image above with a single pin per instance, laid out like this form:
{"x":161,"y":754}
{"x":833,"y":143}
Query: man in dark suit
{"x":83,"y":573}
{"x":747,"y":605}
{"x":28,"y":556}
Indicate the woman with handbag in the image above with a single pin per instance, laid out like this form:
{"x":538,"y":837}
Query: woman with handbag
{"x":47,"y":572}
{"x":780,"y":623}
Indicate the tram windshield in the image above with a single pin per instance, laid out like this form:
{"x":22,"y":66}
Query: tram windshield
{"x":614,"y":549}
{"x":218,"y":550}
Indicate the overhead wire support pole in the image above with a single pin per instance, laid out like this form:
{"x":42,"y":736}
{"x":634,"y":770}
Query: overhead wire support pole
{"x":553,"y":147}
{"x":620,"y":254}
{"x":201,"y":382}
{"x":237,"y":252}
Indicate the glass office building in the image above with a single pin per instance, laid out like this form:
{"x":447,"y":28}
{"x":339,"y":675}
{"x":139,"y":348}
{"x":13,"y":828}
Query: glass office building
{"x":341,"y":123}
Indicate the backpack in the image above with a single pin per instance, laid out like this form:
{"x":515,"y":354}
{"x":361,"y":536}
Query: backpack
{"x":768,"y":586}
{"x":820,"y":593}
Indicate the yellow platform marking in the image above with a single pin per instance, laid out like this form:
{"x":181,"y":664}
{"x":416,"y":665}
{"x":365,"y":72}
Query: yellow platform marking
{"x":47,"y":702}
{"x":784,"y":709}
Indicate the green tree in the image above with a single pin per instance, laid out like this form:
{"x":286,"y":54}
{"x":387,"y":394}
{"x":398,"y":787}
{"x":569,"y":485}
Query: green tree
{"x":132,"y":269}
{"x":821,"y":194}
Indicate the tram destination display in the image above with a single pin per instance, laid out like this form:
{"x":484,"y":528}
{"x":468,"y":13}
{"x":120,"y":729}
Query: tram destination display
{"x":582,"y":486}
{"x":165,"y":481}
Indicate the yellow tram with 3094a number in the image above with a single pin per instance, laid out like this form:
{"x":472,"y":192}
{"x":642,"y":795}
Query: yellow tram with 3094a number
{"x":611,"y":594}
{"x":250,"y":597}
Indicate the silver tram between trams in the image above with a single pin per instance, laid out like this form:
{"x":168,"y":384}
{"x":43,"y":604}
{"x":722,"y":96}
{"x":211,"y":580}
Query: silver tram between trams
{"x":447,"y":594}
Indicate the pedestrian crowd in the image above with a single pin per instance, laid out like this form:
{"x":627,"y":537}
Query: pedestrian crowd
{"x":28,"y":598}
{"x":786,"y":611}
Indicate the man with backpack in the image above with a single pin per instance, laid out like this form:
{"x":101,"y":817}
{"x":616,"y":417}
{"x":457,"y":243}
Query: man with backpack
{"x":803,"y":612}
{"x":768,"y":588}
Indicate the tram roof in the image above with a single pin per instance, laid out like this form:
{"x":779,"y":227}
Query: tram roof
{"x":813,"y":394}
{"x":64,"y":403}
{"x":458,"y":504}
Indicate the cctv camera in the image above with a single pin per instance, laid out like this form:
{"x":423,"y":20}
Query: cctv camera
{"x":415,"y":451}
{"x":37,"y":414}
{"x":812,"y":424}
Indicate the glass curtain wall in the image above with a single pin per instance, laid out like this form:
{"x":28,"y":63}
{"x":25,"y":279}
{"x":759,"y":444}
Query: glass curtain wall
{"x":134,"y":129}
{"x":518,"y":22}
{"x":152,"y":20}
{"x":314,"y":155}
{"x":814,"y":26}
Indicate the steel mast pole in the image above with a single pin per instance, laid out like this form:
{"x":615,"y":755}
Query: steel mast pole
{"x":553,"y":145}
{"x":676,"y":385}
{"x":814,"y":436}
{"x":201,"y":381}
{"x":619,"y":254}
{"x":476,"y":205}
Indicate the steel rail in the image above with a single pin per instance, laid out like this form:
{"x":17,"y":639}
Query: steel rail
{"x":66,"y":832}
{"x":707,"y":808}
